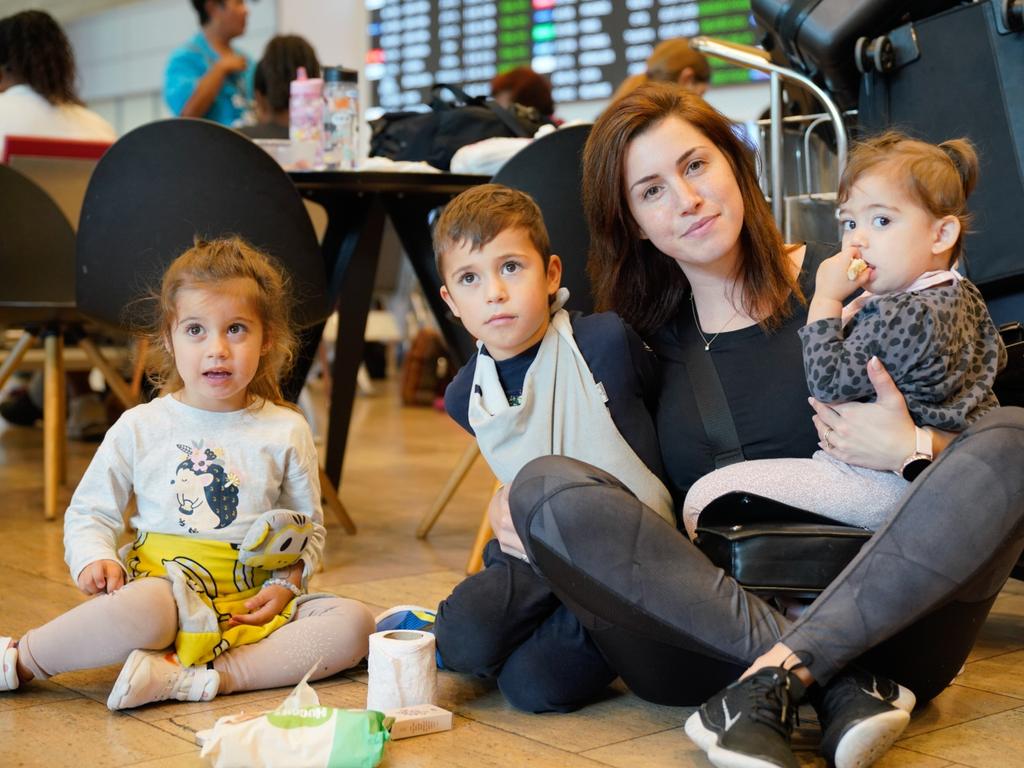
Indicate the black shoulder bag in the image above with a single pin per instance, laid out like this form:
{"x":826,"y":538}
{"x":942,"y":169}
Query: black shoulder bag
{"x":765,"y":545}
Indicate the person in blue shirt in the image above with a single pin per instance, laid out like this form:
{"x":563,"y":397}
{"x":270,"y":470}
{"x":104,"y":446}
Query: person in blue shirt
{"x":206,"y":77}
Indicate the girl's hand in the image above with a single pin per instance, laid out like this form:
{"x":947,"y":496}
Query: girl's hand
{"x":832,"y":282}
{"x":101,"y":576}
{"x":878,"y":435}
{"x":270,"y":600}
{"x":500,"y":515}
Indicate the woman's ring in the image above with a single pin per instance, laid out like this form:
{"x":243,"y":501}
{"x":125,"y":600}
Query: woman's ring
{"x":828,"y":444}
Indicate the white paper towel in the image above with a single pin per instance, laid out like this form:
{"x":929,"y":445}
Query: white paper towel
{"x":403,"y":670}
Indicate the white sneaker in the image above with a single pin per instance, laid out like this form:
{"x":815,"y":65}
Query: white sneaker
{"x":8,"y":664}
{"x":149,"y":676}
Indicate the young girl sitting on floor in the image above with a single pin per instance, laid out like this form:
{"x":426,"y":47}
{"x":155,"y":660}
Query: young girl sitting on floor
{"x":903,"y":212}
{"x":204,"y":461}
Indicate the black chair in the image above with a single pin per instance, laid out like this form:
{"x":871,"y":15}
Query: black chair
{"x":37,"y":255}
{"x":550,"y":170}
{"x":166,"y":182}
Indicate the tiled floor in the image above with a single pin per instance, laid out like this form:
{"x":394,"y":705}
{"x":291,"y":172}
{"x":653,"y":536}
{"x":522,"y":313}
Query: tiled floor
{"x":398,"y":458}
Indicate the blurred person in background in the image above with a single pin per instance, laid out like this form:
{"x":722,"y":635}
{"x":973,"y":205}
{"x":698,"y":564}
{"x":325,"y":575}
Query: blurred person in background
{"x":282,"y":57}
{"x":37,"y":83}
{"x":671,"y":61}
{"x":38,"y":98}
{"x":524,"y":86}
{"x":206,"y":77}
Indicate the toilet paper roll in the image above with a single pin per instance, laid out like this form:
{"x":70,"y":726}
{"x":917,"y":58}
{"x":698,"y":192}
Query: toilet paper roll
{"x":403,"y":670}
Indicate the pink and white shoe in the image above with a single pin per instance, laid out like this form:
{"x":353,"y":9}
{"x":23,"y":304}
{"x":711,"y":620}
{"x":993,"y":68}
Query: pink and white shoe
{"x":149,"y":676}
{"x":8,"y":664}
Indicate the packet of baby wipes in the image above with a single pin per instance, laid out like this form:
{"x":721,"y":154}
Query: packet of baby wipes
{"x":298,"y":734}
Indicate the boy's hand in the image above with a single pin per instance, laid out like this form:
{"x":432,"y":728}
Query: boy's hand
{"x":832,"y":282}
{"x":101,"y":576}
{"x":500,"y":515}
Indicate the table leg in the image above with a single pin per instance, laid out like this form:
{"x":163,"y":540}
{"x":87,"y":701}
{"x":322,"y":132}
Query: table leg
{"x":356,"y":273}
{"x":409,"y":216}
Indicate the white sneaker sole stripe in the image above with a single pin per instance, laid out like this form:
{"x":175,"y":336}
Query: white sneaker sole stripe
{"x":906,"y":700}
{"x":869,"y":739}
{"x":707,"y":741}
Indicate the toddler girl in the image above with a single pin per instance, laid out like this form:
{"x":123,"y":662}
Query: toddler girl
{"x":903,"y":211}
{"x":219,"y":448}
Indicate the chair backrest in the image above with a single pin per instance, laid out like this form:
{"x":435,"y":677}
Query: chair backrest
{"x":550,"y":170}
{"x":166,"y":182}
{"x":37,"y":247}
{"x":62,"y":167}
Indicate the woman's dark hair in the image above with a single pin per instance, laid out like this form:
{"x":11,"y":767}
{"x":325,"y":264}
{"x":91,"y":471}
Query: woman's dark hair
{"x":34,"y":49}
{"x":527,"y":88}
{"x":282,"y":58}
{"x":632,"y":277}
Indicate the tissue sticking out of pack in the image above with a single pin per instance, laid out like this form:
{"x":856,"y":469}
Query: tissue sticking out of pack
{"x":418,"y":721}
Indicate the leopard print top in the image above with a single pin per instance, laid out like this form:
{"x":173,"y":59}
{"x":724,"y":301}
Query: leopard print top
{"x":939,"y":344}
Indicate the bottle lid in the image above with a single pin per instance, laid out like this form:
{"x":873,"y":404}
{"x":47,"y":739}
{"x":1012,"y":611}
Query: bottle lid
{"x":340,"y":75}
{"x":304,"y":86}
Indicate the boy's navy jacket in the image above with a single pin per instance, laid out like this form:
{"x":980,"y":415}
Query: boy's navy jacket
{"x":618,"y":359}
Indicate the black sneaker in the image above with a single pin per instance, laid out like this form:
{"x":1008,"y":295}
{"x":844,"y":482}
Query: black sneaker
{"x":861,"y":716}
{"x":748,"y":725}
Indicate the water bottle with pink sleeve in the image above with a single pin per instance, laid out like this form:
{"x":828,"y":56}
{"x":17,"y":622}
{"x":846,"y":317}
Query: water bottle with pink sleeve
{"x":306,"y":120}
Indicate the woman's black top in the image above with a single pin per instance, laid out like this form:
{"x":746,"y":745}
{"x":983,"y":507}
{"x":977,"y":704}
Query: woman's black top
{"x":762,"y":375}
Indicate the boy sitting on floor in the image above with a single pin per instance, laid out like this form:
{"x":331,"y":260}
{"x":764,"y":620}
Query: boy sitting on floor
{"x":541,"y":383}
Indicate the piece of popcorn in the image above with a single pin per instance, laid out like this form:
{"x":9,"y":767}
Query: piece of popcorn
{"x":856,"y":267}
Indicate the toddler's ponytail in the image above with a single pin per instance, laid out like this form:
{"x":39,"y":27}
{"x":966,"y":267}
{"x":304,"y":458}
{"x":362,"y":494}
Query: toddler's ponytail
{"x":965,"y":160}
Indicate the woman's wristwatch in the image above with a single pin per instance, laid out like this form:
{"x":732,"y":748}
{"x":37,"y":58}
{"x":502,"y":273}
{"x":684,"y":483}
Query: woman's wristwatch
{"x":923,"y":455}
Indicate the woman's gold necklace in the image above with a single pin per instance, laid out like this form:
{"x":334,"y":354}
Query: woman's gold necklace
{"x":696,"y":323}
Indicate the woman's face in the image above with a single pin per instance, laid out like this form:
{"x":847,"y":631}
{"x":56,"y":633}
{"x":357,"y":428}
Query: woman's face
{"x":684,"y":197}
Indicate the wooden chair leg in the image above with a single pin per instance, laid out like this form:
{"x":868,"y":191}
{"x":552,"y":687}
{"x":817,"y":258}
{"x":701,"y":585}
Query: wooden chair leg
{"x":141,"y":348}
{"x":121,"y":389}
{"x":13,"y":359}
{"x":53,"y":412}
{"x":62,"y":417}
{"x":483,"y":534}
{"x":333,"y":503}
{"x":476,"y":554}
{"x":451,"y":485}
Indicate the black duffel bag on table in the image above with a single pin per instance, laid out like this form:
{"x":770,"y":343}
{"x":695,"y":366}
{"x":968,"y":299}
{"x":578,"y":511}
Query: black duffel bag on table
{"x":436,"y":135}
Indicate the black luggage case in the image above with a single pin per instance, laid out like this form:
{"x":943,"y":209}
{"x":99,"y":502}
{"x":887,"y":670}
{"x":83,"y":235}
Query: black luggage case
{"x":968,"y":80}
{"x":817,"y":37}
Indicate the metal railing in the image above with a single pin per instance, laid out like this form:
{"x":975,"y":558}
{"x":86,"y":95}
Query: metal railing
{"x":755,"y":58}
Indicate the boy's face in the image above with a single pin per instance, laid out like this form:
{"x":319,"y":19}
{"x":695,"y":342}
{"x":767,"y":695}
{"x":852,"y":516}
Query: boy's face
{"x":501,"y":291}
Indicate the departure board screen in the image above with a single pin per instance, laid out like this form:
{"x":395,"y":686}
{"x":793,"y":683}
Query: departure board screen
{"x":585,"y":47}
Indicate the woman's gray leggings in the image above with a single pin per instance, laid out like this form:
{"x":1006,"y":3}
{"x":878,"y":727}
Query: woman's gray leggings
{"x":676,"y":628}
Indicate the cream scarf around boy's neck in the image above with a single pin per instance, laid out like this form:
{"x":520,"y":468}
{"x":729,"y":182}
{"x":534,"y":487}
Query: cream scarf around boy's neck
{"x":562,"y":413}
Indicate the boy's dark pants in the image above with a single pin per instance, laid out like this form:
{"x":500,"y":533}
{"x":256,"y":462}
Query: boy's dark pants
{"x":504,"y":623}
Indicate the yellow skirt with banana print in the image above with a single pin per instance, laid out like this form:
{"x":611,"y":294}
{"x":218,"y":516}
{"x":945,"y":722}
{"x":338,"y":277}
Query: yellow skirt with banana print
{"x":210,"y":586}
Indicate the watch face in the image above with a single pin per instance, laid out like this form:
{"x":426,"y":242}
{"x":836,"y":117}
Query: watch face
{"x":915,"y":467}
